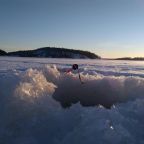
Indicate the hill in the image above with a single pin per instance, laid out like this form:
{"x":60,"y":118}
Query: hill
{"x":2,"y":53}
{"x":52,"y":52}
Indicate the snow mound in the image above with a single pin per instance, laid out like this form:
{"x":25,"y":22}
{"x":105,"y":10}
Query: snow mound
{"x":51,"y":73}
{"x":34,"y":85}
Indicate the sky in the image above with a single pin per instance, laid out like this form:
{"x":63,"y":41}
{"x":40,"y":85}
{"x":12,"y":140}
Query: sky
{"x":109,"y":28}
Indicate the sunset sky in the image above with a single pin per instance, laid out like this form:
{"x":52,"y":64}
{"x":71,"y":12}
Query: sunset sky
{"x":110,"y":28}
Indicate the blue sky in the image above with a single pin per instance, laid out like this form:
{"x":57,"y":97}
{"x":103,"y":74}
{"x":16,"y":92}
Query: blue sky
{"x":110,"y":28}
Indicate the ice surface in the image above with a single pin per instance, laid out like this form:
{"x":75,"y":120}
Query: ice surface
{"x":33,"y":91}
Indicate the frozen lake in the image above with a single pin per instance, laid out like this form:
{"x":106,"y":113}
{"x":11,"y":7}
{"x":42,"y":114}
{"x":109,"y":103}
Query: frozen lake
{"x":42,"y":104}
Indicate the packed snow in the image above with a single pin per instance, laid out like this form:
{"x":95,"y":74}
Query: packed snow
{"x":40,"y":103}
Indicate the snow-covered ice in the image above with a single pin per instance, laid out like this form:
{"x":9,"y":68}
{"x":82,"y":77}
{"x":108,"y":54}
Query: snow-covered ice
{"x":41,"y":104}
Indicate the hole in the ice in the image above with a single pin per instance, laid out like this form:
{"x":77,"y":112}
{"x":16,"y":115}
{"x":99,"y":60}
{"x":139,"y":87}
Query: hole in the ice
{"x":98,"y":97}
{"x":67,"y":101}
{"x":105,"y":92}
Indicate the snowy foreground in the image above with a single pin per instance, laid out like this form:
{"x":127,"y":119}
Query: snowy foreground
{"x":41,"y":104}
